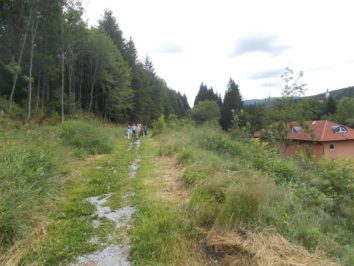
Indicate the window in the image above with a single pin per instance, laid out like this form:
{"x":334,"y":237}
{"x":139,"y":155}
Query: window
{"x":339,"y":130}
{"x":295,"y":129}
{"x":332,"y":146}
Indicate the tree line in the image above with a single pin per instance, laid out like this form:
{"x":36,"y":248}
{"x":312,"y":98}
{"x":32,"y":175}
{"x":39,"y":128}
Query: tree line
{"x":51,"y":62}
{"x":244,"y":120}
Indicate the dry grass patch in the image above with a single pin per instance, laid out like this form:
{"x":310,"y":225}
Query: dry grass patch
{"x":169,"y":184}
{"x":264,"y":248}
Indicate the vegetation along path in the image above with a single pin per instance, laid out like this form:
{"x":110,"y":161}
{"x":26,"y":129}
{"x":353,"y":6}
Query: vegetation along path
{"x":182,"y":197}
{"x":93,"y":214}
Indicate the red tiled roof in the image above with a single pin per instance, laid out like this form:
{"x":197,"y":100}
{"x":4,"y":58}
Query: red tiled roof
{"x":321,"y":130}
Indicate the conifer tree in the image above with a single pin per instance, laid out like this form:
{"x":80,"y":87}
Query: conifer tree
{"x":232,"y":104}
{"x":206,"y":93}
{"x":330,"y":107}
{"x":109,"y":24}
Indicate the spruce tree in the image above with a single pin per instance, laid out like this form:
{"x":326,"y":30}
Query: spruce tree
{"x":232,"y":104}
{"x":331,"y":106}
{"x":109,"y":24}
{"x":205,"y":94}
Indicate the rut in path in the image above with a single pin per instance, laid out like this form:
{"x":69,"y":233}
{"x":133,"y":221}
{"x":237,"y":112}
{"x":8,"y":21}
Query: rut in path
{"x":114,"y":254}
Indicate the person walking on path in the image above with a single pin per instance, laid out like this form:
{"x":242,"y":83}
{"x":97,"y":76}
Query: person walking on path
{"x":129,"y":131}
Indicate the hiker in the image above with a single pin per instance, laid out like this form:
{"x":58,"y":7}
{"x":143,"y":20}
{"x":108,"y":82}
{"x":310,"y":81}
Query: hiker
{"x":129,"y":132}
{"x":138,"y":130}
{"x":134,"y":130}
{"x":145,"y":130}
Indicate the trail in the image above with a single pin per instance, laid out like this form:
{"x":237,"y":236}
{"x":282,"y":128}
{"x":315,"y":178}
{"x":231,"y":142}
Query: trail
{"x":113,"y":254}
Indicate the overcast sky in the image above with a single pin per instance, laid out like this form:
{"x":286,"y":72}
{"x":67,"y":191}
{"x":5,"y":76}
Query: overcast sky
{"x":194,"y":41}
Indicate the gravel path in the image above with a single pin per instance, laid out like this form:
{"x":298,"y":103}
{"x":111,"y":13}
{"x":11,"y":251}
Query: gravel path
{"x":112,"y":255}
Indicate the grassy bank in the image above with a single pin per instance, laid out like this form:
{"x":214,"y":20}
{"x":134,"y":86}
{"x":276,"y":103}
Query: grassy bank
{"x":247,"y":187}
{"x":36,"y":161}
{"x":160,"y":235}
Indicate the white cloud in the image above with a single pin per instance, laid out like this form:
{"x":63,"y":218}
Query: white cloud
{"x":263,"y":43}
{"x":314,"y":36}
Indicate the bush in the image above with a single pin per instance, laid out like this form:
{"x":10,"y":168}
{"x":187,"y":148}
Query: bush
{"x":83,"y":135}
{"x":159,"y":125}
{"x":206,"y":111}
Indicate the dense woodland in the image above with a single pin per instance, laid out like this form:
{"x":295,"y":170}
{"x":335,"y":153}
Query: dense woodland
{"x":52,"y":63}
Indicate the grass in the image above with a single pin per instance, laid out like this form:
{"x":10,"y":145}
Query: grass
{"x":222,"y":192}
{"x":160,"y":235}
{"x":70,"y":233}
{"x":31,"y":164}
{"x":86,"y":137}
{"x":236,"y":185}
{"x":36,"y":169}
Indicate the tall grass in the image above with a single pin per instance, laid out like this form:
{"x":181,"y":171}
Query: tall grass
{"x":29,"y":173}
{"x":249,"y":185}
{"x":85,"y":136}
{"x":33,"y":162}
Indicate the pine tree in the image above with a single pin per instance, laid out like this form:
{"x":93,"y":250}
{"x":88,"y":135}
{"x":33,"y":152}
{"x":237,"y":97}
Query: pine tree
{"x":130,"y":53}
{"x":206,"y":93}
{"x":331,"y":106}
{"x":109,"y":24}
{"x":231,"y":105}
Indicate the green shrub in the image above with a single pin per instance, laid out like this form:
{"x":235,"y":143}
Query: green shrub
{"x":83,"y":135}
{"x":159,"y":125}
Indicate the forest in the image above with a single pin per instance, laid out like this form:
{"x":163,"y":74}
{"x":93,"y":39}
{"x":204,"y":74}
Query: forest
{"x":53,"y":64}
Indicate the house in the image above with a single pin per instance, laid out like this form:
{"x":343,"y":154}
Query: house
{"x":326,"y":139}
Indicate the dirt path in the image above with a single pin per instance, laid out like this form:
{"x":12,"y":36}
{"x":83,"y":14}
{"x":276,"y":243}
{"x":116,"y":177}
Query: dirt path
{"x":113,"y":254}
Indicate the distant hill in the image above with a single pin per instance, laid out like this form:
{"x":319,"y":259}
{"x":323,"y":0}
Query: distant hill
{"x":254,"y":101}
{"x":336,"y":94}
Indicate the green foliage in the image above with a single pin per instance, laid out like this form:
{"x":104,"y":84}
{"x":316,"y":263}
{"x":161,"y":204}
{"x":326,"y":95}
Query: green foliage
{"x":159,"y":125}
{"x":205,"y":111}
{"x":101,"y":71}
{"x":232,"y":104}
{"x":207,"y":94}
{"x":345,"y":110}
{"x":83,"y":135}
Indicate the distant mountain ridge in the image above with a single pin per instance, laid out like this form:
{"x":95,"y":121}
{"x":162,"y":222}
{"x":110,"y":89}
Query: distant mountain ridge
{"x":336,"y":94}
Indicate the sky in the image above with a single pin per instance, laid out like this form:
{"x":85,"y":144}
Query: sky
{"x":211,"y":41}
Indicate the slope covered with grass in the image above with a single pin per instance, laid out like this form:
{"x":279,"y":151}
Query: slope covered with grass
{"x":35,"y":162}
{"x":245,"y":187}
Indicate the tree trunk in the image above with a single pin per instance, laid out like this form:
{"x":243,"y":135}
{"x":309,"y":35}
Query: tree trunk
{"x":70,"y":82}
{"x":62,"y":69}
{"x":19,"y":61}
{"x":38,"y":88}
{"x":33,"y":37}
{"x":42,"y":100}
{"x":93,"y":86}
{"x":80,"y":82}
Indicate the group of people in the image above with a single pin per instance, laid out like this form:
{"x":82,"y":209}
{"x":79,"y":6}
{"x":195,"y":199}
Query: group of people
{"x":136,"y":131}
